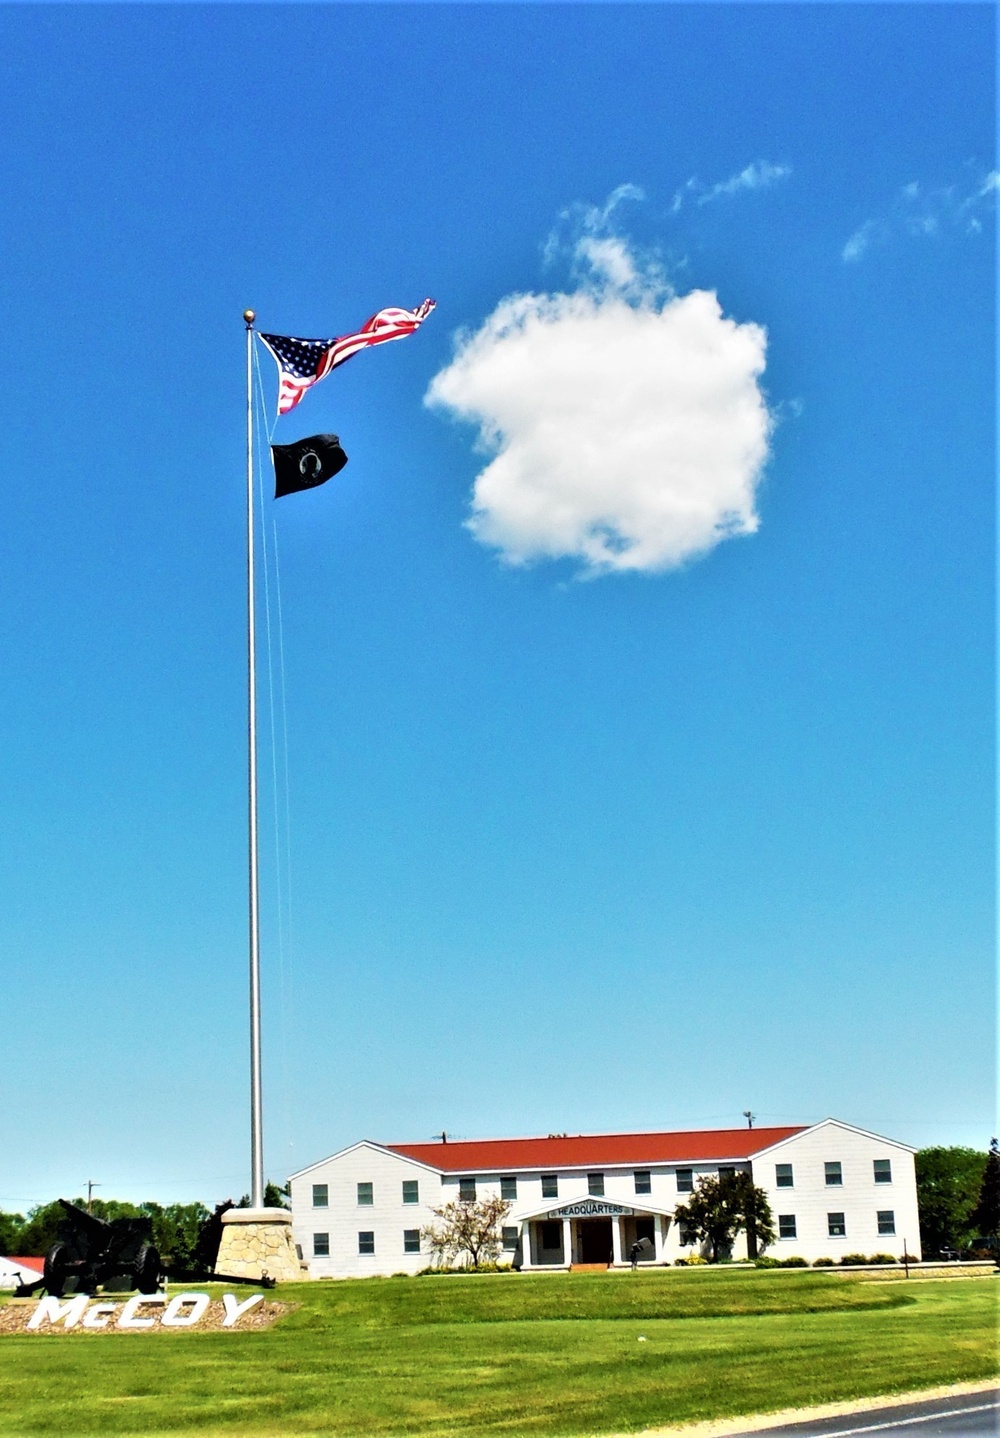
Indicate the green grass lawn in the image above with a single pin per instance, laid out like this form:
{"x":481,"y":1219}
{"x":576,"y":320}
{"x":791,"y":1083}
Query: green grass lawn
{"x":510,"y":1354}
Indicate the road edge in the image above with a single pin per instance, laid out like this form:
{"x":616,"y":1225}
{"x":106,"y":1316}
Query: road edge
{"x":760,"y":1422}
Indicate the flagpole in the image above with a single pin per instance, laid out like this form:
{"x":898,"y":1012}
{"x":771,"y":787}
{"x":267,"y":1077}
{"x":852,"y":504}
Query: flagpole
{"x":256,"y":1129}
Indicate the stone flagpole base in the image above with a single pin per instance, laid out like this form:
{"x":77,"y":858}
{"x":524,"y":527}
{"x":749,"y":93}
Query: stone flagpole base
{"x":257,"y":1243}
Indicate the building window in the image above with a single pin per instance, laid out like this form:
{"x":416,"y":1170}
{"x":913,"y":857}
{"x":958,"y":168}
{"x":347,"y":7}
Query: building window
{"x":685,"y":1236}
{"x":550,"y":1185}
{"x":366,"y":1195}
{"x":411,"y":1190}
{"x":411,"y":1240}
{"x":467,"y":1190}
{"x":786,"y":1225}
{"x":685,"y":1180}
{"x":835,"y":1225}
{"x":366,"y":1243}
{"x":595,"y":1185}
{"x":643,"y":1181}
{"x":508,"y":1188}
{"x":321,"y":1196}
{"x":509,"y":1237}
{"x":728,"y":1172}
{"x":834,"y":1175}
{"x":883,"y":1170}
{"x":321,"y":1245}
{"x":886,"y":1222}
{"x":550,"y":1236}
{"x":784,"y":1176}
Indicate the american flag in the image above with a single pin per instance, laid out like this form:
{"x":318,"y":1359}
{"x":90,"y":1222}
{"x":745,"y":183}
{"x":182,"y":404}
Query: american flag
{"x":302,"y":362}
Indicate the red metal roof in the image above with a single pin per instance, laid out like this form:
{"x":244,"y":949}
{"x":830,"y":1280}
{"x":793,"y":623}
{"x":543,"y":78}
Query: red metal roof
{"x":494,"y":1155}
{"x":37,"y":1264}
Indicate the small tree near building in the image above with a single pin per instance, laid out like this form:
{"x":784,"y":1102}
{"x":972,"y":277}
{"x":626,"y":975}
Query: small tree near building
{"x":467,"y":1226}
{"x":986,"y":1214}
{"x":720,"y":1208}
{"x":949,"y":1181}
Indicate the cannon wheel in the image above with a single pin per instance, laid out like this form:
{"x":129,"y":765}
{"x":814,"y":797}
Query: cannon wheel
{"x":55,"y":1271}
{"x":147,"y":1269}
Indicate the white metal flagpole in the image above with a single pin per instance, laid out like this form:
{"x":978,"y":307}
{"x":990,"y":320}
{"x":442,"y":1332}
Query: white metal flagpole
{"x":256,"y":1130}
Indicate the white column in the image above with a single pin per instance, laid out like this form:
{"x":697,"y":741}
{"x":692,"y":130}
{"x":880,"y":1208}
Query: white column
{"x":616,"y":1240}
{"x":525,"y":1245}
{"x":657,"y":1237}
{"x":567,"y":1241}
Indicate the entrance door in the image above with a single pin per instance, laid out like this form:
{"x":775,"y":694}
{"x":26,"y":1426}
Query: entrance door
{"x":594,"y":1240}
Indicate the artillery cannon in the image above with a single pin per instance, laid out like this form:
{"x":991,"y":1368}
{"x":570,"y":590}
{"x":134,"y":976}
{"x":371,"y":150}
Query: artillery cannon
{"x":97,"y":1250}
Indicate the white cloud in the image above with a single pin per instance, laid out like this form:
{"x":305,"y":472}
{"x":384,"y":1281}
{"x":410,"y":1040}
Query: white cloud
{"x":868,"y":233}
{"x":921,"y":211}
{"x":758,"y":175}
{"x":626,"y":424}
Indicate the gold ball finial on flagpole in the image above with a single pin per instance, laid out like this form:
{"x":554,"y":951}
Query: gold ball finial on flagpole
{"x":249,"y":316}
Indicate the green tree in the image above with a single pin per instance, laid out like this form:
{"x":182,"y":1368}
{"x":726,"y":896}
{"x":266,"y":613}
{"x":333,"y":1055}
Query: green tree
{"x":985,"y":1216}
{"x":275,"y":1196}
{"x":175,"y":1233}
{"x":949,"y":1181}
{"x":467,"y":1226}
{"x":722,"y":1207}
{"x":40,"y":1229}
{"x":11,"y":1227}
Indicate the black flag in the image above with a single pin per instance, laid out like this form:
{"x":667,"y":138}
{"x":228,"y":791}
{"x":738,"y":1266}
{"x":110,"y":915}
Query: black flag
{"x":306,"y":463}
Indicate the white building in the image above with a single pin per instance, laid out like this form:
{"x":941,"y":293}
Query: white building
{"x":833,"y":1190}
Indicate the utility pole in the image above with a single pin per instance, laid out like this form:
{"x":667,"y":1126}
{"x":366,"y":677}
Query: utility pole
{"x":91,"y":1185}
{"x":749,"y":1117}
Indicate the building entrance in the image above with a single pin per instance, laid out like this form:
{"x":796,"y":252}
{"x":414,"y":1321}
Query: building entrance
{"x":593,"y":1237}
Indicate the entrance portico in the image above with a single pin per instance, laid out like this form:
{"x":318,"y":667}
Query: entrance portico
{"x":589,"y":1231}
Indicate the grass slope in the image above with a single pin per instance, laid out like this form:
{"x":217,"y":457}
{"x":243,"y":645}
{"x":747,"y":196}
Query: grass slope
{"x":510,"y":1355}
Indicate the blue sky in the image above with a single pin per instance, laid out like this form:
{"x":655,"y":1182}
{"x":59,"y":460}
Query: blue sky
{"x":571,"y":845}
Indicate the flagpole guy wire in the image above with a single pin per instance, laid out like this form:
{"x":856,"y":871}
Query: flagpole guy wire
{"x":256,"y":1123}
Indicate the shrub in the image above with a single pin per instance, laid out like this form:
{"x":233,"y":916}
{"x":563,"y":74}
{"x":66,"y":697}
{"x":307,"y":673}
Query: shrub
{"x":853,"y":1260}
{"x":464,"y":1269}
{"x":824,"y":1263}
{"x":765,"y":1262}
{"x":793,"y":1263}
{"x":882,"y":1258}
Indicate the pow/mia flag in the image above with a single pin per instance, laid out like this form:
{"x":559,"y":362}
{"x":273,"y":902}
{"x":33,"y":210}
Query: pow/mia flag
{"x":306,"y":463}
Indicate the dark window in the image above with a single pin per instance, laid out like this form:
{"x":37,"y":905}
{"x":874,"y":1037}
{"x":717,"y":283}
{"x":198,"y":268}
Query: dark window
{"x":508,"y":1188}
{"x":886,"y":1221}
{"x":366,"y":1195}
{"x":321,"y":1196}
{"x":784,"y":1176}
{"x":834,"y":1175}
{"x":411,"y":1190}
{"x":595,"y":1185}
{"x":321,"y":1245}
{"x":550,"y":1236}
{"x":509,"y":1236}
{"x":643,"y":1181}
{"x":366,"y":1243}
{"x":883,"y":1170}
{"x":467,"y":1190}
{"x":835,"y":1225}
{"x":411,"y":1240}
{"x":550,"y":1185}
{"x":685,"y":1180}
{"x":685,"y":1236}
{"x":786,"y":1225}
{"x":645,"y":1228}
{"x":727,"y":1172}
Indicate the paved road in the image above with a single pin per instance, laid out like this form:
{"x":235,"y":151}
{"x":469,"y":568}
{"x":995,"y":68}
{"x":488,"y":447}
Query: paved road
{"x":968,"y":1415}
